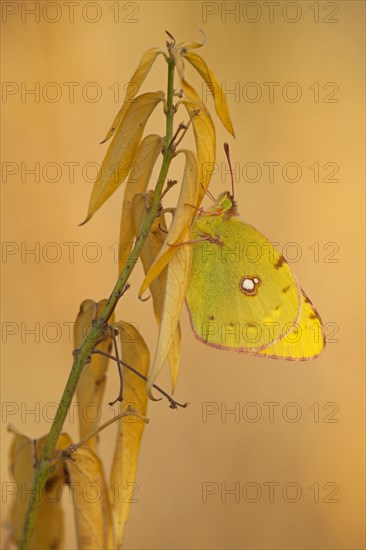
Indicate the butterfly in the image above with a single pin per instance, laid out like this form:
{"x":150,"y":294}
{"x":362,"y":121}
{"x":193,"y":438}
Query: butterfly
{"x":242,"y":294}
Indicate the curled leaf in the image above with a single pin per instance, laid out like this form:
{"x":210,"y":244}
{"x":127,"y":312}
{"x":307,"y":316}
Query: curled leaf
{"x":121,"y":152}
{"x":138,"y":180}
{"x":130,"y":428}
{"x":90,"y":498}
{"x":182,"y":46}
{"x":183,"y":216}
{"x":48,"y":532}
{"x":90,"y":388}
{"x":151,"y":248}
{"x":176,"y":287}
{"x":133,"y":86}
{"x":215,"y":88}
{"x":205,"y":136}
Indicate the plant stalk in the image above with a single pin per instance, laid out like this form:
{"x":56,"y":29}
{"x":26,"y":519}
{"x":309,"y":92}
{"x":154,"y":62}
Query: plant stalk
{"x":82,"y":355}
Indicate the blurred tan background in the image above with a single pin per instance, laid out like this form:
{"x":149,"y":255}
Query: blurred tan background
{"x":318,"y":47}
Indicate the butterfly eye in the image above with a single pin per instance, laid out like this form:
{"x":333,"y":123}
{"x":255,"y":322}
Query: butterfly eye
{"x":250,"y":285}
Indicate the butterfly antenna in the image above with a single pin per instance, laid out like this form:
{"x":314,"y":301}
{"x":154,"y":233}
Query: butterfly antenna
{"x":210,"y":195}
{"x":227,"y":152}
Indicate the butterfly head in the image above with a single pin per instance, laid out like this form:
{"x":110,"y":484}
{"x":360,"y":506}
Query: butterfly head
{"x":227,"y":204}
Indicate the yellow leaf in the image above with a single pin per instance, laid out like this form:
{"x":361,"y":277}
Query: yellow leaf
{"x":183,"y":216}
{"x":49,"y":527}
{"x":138,"y":77}
{"x":176,"y":287}
{"x":149,"y":150}
{"x":130,"y":428}
{"x":121,"y":152}
{"x":89,"y":494}
{"x":183,"y":46}
{"x":189,"y":91}
{"x":205,"y":136}
{"x":178,"y":61}
{"x":215,"y":88}
{"x":174,"y":357}
{"x":90,"y":388}
{"x":149,"y":252}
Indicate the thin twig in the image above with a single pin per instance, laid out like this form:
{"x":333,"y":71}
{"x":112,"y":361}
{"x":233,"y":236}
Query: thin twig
{"x":180,"y":128}
{"x":114,"y":332}
{"x":227,"y":152}
{"x":130,"y":411}
{"x":169,"y":185}
{"x":173,"y":403}
{"x":183,"y":129}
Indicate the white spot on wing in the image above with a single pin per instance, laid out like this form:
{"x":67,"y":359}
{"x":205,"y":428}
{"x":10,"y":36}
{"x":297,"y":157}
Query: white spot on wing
{"x":249,"y":285}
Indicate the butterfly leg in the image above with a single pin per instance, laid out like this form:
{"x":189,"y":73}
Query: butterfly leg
{"x":204,"y":237}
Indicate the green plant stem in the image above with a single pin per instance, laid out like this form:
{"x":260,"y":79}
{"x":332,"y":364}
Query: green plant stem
{"x":82,"y":355}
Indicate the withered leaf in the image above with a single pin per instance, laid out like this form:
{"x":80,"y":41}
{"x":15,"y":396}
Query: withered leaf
{"x":48,"y":533}
{"x":138,"y":180}
{"x":183,"y":216}
{"x":138,"y":77}
{"x":205,"y":136}
{"x":90,"y":497}
{"x":176,"y":286}
{"x":187,"y":88}
{"x":149,"y":252}
{"x":119,"y":158}
{"x":214,"y":86}
{"x":90,"y":388}
{"x":130,"y":428}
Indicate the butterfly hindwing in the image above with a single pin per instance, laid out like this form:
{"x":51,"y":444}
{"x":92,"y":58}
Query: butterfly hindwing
{"x":242,"y":294}
{"x":305,"y":342}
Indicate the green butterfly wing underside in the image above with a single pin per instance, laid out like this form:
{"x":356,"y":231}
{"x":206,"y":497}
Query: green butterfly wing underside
{"x":242,"y":294}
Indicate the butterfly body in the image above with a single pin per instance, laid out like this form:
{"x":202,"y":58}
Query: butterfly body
{"x":242,"y":294}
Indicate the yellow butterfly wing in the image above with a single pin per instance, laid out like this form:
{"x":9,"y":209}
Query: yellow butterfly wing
{"x":305,"y":342}
{"x":242,"y":294}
